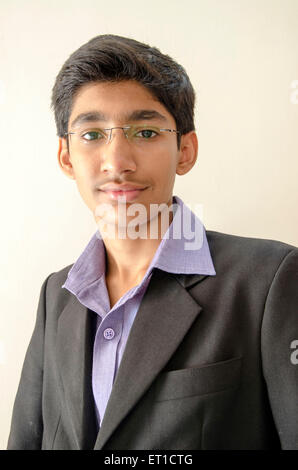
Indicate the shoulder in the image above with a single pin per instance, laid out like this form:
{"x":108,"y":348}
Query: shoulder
{"x":57,"y":279}
{"x":54,"y":293}
{"x":247,"y":253}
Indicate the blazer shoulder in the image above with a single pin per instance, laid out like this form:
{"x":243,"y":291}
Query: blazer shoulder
{"x":55,"y":294}
{"x":248,"y":252}
{"x":57,"y":278}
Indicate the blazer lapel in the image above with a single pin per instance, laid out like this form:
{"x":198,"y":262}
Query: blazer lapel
{"x":76,"y":329}
{"x":165,"y":315}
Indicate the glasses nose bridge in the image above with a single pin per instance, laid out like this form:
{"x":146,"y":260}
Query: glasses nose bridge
{"x":124,"y":129}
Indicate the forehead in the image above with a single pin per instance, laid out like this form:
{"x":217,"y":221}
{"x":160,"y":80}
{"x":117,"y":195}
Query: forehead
{"x":116,"y":101}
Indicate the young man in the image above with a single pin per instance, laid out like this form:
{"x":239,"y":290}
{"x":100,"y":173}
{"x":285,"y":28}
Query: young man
{"x":152,"y":342}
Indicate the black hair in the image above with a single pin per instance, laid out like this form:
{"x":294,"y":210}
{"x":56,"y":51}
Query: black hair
{"x":111,"y":58}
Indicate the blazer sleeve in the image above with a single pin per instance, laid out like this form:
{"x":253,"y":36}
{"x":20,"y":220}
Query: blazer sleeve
{"x":279,"y":345}
{"x":27,"y":425}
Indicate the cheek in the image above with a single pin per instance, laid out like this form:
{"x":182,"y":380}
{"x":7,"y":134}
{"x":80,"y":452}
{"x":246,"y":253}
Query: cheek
{"x":162,"y":163}
{"x":166,"y":168}
{"x":85,"y":180}
{"x":85,"y":173}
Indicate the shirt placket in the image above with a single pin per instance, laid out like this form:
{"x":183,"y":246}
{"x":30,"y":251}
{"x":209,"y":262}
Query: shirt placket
{"x":106,"y":343}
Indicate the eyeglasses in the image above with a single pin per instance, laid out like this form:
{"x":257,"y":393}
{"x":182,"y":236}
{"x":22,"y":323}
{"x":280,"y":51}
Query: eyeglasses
{"x":143,"y":135}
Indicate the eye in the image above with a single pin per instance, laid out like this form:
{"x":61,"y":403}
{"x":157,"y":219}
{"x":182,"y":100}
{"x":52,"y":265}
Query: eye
{"x":92,"y":135}
{"x":146,"y":133}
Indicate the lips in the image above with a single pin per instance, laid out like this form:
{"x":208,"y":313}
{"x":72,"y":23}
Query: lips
{"x":127,"y":191}
{"x":121,"y":187}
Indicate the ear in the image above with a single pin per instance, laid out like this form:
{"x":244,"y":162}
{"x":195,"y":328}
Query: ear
{"x":188,"y":153}
{"x":64,"y":159}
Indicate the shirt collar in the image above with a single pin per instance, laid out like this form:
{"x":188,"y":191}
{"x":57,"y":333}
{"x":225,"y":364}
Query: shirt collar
{"x":178,"y":252}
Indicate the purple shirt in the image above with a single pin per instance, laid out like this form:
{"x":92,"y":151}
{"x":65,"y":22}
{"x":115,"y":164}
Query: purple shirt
{"x":86,"y":280}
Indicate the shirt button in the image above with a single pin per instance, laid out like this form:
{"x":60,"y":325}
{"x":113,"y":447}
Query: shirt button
{"x":109,"y":333}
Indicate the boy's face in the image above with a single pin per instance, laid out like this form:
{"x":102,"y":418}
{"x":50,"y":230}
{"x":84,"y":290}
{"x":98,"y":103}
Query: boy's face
{"x":150,"y":165}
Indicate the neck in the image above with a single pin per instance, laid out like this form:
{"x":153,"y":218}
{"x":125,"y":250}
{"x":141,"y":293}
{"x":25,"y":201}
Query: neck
{"x":127,"y":259}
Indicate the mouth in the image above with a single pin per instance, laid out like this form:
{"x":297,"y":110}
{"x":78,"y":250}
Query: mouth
{"x":128,"y":194}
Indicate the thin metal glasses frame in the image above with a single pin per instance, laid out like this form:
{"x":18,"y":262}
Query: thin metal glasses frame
{"x":128,"y":127}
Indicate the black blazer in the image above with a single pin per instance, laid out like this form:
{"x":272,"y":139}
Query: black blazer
{"x":209,"y":362}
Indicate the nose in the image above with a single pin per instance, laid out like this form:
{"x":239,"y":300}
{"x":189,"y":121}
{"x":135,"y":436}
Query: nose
{"x":117,"y":155}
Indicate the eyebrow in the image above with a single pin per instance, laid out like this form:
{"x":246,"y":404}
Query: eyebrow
{"x":137,"y":115}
